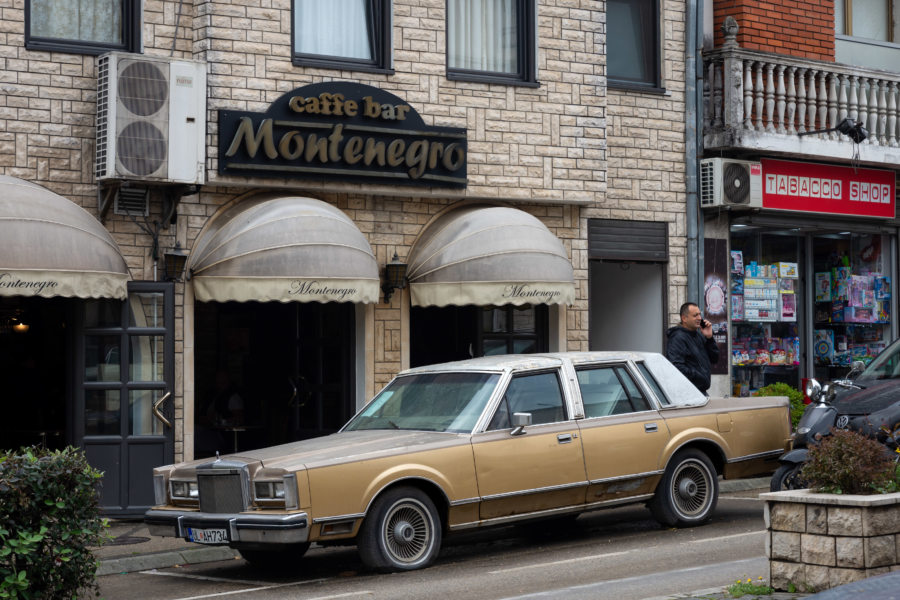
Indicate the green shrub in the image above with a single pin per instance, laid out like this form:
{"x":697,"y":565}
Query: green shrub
{"x":49,"y":520}
{"x":794,"y":395}
{"x":847,"y":462}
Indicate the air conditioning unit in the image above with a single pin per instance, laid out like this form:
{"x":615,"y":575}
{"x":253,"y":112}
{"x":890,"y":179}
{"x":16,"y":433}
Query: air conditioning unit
{"x":730,"y":183}
{"x":151,"y":119}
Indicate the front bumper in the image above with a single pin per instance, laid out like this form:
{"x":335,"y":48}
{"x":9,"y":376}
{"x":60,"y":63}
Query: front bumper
{"x":242,"y":528}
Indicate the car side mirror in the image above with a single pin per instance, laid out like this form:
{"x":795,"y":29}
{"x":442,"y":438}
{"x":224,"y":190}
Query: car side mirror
{"x":519,"y":422}
{"x":856,"y":368}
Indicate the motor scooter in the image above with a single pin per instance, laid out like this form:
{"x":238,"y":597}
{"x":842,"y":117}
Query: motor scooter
{"x":820,"y":416}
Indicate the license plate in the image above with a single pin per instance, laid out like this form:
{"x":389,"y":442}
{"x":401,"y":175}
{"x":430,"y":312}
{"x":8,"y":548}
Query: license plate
{"x":208,"y":536}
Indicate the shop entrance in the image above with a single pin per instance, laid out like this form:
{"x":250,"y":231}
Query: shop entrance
{"x":34,"y":343}
{"x":443,"y":334}
{"x":270,"y":373}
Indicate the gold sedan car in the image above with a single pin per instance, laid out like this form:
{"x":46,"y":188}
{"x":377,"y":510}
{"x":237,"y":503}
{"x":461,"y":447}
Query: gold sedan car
{"x":479,"y":443}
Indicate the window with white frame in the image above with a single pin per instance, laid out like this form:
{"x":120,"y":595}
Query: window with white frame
{"x":491,"y":40}
{"x":351,"y":34}
{"x":633,"y":46}
{"x":83,"y":26}
{"x":867,"y":19}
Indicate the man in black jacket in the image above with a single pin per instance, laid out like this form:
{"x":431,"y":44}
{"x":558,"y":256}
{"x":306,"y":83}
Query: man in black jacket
{"x":691,"y":346}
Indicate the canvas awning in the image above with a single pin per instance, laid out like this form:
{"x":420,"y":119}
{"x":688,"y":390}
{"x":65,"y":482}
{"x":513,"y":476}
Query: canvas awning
{"x":283,"y":249}
{"x":489,"y":255}
{"x":50,"y":246}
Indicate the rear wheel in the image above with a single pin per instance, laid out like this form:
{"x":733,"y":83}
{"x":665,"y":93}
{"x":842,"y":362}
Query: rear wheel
{"x":787,"y":477}
{"x":402,"y":532}
{"x":688,"y":492}
{"x":284,"y":557}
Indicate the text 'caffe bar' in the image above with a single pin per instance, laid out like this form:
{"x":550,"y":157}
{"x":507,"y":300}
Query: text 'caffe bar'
{"x":811,"y":275}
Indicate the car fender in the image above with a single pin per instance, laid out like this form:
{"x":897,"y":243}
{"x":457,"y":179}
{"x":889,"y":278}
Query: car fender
{"x":711,"y":442}
{"x":414,"y":474}
{"x":795,"y":456}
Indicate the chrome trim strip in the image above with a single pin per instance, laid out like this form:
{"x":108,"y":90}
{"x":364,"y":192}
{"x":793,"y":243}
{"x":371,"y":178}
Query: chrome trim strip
{"x":552,"y":488}
{"x":775,"y":453}
{"x":626,"y":477}
{"x":464,"y":501}
{"x":582,"y":508}
{"x":337,"y":519}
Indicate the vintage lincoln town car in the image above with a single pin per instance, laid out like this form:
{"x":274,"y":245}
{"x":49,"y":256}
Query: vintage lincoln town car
{"x":477,"y":443}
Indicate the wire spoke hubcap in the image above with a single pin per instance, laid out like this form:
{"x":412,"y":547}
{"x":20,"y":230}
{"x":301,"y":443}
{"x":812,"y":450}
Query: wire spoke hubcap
{"x":407,"y":531}
{"x":691,"y":489}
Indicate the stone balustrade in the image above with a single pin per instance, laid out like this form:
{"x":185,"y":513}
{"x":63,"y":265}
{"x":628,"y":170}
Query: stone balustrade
{"x":819,"y":541}
{"x":774,"y":103}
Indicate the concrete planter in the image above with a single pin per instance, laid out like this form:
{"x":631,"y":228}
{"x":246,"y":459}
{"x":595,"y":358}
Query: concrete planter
{"x":819,"y":541}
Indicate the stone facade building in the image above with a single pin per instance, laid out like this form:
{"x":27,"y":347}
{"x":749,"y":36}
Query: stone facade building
{"x":568,"y":214}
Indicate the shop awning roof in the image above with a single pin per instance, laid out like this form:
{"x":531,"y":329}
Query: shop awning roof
{"x":283,"y":249}
{"x":50,"y":246}
{"x":489,"y":255}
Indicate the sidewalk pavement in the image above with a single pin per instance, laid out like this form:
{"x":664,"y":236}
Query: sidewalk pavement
{"x":132,"y":548}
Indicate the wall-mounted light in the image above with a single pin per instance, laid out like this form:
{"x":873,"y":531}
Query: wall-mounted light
{"x":394,"y":277}
{"x":849,"y":127}
{"x":174,"y":261}
{"x":18,"y":325}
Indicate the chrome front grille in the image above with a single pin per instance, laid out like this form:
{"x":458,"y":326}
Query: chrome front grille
{"x":223,"y":490}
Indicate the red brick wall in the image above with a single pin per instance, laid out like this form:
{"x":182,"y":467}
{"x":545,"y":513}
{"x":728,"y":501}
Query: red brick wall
{"x":795,"y":28}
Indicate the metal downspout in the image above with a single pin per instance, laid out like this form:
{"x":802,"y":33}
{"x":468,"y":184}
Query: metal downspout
{"x":693,"y":131}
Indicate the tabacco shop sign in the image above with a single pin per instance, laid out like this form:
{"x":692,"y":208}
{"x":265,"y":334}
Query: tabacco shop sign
{"x":827,"y":189}
{"x":345,"y":131}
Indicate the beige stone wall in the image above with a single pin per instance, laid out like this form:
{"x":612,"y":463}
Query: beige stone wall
{"x":645,"y":175}
{"x":565,"y":151}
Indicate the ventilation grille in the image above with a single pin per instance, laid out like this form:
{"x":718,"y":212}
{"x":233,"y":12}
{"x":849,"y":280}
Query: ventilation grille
{"x":102,"y":116}
{"x":736,"y":183}
{"x":132,"y":201}
{"x":221,"y":493}
{"x":707,"y":183}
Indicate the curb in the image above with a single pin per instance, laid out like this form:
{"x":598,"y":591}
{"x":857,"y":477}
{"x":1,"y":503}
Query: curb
{"x":162,"y":560}
{"x":201,"y":554}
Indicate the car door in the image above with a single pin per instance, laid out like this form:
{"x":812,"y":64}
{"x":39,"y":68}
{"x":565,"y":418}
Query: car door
{"x":623,"y":435}
{"x":541,"y":468}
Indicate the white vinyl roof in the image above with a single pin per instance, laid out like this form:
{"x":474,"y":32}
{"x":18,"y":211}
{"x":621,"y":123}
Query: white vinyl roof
{"x":284,"y":249}
{"x":489,"y":255}
{"x":50,"y":246}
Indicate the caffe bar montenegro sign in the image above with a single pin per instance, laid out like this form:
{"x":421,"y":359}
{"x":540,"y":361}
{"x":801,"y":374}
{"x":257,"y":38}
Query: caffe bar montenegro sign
{"x":345,"y":131}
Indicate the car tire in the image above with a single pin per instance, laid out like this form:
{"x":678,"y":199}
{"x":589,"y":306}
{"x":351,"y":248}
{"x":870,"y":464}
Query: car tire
{"x":282,"y":558}
{"x":688,"y":491}
{"x":402,"y":531}
{"x":787,"y":477}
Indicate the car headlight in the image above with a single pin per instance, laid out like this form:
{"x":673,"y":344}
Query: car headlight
{"x":269,"y":490}
{"x":185,"y":490}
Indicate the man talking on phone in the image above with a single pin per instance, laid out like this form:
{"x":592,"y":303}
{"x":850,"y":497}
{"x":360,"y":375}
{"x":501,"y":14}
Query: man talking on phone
{"x":691,"y":347}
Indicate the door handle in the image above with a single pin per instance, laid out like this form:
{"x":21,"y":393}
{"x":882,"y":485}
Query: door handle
{"x":650,"y":428}
{"x":158,"y":414}
{"x":564,"y":438}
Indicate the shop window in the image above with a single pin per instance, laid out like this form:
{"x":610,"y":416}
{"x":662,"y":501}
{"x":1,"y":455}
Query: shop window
{"x":765,"y":311}
{"x":632,"y":38}
{"x":512,"y":330}
{"x":491,"y":41}
{"x":344,"y":34}
{"x":852,"y":301}
{"x":83,"y":26}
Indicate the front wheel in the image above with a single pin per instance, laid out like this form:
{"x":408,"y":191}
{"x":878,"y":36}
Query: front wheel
{"x":787,"y":477}
{"x":402,"y":532}
{"x":688,"y":492}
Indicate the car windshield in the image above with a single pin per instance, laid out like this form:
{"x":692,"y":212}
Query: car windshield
{"x":449,"y":402}
{"x":885,"y":366}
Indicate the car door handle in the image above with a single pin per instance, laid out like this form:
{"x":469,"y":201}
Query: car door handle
{"x":564,"y":438}
{"x":650,"y":428}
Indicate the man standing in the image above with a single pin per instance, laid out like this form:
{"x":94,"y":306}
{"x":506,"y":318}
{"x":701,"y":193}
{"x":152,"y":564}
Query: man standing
{"x":691,"y":346}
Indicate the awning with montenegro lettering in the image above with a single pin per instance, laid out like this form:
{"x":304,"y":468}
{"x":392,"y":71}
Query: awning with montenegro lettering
{"x":50,"y":247}
{"x":276,"y":248}
{"x":489,"y":255}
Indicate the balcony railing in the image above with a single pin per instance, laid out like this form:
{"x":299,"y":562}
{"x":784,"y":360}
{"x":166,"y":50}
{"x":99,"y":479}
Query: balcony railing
{"x":762,"y":102}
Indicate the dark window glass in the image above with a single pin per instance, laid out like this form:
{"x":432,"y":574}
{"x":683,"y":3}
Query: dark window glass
{"x":537,"y":394}
{"x":491,"y":40}
{"x":632,"y":42}
{"x":353,"y":34}
{"x":648,"y":377}
{"x":83,"y":26}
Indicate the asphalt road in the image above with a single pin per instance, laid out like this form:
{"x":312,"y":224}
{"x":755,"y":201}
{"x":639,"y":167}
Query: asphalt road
{"x":620,"y":554}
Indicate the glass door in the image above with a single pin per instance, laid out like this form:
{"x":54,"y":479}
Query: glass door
{"x":125,"y":408}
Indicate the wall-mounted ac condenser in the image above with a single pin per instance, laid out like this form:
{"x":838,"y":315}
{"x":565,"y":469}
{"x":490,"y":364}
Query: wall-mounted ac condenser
{"x":727,"y":182}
